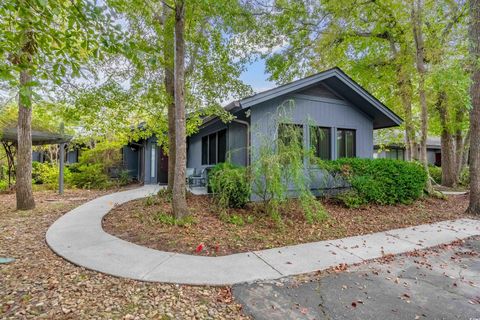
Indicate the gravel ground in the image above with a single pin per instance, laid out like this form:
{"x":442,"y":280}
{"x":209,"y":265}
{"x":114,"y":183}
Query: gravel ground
{"x":39,"y":284}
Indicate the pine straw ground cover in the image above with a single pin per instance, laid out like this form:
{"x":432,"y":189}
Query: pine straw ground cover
{"x":39,"y":284}
{"x":210,"y":233}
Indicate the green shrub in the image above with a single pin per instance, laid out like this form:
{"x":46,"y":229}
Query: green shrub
{"x":351,"y":199}
{"x":124,"y":177}
{"x":381,"y":181}
{"x":3,"y":185}
{"x":105,"y":153}
{"x":435,"y":173}
{"x":230,"y":185}
{"x":89,"y":176}
{"x":465,"y":177}
{"x":47,"y":174}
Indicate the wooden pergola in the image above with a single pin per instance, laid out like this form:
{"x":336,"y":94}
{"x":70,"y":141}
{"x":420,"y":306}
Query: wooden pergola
{"x":39,"y":138}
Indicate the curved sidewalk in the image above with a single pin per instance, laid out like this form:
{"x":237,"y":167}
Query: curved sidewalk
{"x":78,"y":237}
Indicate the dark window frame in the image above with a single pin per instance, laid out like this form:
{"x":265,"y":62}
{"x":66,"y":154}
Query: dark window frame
{"x":207,"y":141}
{"x":313,"y":134}
{"x":343,"y":131}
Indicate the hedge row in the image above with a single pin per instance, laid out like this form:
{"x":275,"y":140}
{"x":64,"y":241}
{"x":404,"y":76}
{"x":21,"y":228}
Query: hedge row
{"x":380,"y":181}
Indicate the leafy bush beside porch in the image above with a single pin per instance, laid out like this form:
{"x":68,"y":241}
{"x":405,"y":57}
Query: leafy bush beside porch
{"x":230,"y":185}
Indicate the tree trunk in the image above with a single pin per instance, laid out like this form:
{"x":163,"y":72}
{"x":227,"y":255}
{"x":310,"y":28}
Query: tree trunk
{"x":10,"y":151}
{"x":24,"y":193}
{"x":406,"y":97}
{"x":420,"y":64}
{"x":466,"y":151}
{"x":168,"y":54}
{"x":474,"y":33}
{"x":404,"y":85}
{"x":449,"y":172}
{"x":459,"y":146}
{"x":179,"y":195}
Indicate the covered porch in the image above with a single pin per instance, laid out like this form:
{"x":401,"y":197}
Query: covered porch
{"x":9,"y":140}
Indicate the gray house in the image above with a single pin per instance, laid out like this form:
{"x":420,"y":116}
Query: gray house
{"x":334,"y":114}
{"x":386,"y":149}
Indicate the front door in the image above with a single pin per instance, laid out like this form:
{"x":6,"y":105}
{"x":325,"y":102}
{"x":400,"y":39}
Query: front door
{"x":162,"y":166}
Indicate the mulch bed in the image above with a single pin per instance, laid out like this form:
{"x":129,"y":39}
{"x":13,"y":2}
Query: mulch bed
{"x":212,"y":234}
{"x":41,"y":285}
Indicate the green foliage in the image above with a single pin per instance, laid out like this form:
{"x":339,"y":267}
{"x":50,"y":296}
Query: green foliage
{"x":165,"y":195}
{"x":465,"y":177}
{"x":435,"y":173}
{"x":89,"y":176}
{"x":381,"y":181}
{"x":91,"y":171}
{"x":170,"y":220}
{"x":279,"y":168}
{"x":351,"y":199}
{"x":235,"y":219}
{"x":150,"y":201}
{"x":230,"y":185}
{"x":106,"y":152}
{"x":124,"y":178}
{"x":3,"y":185}
{"x":47,"y":174}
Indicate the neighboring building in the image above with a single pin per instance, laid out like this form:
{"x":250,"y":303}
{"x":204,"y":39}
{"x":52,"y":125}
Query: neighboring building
{"x":397,"y":151}
{"x":71,"y":156}
{"x":328,"y":105}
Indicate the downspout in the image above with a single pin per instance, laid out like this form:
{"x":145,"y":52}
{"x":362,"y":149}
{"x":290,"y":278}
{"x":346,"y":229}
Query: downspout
{"x":245,"y":123}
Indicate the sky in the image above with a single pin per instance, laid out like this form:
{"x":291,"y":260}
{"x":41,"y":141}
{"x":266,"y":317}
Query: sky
{"x":255,"y":76}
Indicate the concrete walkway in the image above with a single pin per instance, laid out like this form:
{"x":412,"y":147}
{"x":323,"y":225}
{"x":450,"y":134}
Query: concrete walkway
{"x":78,"y":237}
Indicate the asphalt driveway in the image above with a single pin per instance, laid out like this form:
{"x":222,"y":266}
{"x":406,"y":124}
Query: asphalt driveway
{"x":438,"y":283}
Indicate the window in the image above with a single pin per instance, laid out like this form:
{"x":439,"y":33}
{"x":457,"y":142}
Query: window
{"x":222,"y":145}
{"x":205,"y":150}
{"x":287,"y":132}
{"x":214,"y":148}
{"x":153,"y":151}
{"x":320,"y":142}
{"x":346,"y":143}
{"x":396,"y":154}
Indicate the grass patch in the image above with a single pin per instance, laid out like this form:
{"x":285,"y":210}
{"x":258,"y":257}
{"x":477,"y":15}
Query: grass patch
{"x":170,"y":220}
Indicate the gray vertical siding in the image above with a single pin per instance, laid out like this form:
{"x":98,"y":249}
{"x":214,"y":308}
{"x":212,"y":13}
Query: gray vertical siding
{"x":237,"y":136}
{"x":335,"y":114}
{"x":131,"y":160}
{"x":431,"y":158}
{"x":237,"y":143}
{"x":194,"y":157}
{"x":72,"y":156}
{"x":319,"y":111}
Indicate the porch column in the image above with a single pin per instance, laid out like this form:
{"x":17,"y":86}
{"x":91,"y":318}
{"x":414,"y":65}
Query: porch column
{"x":61,"y":169}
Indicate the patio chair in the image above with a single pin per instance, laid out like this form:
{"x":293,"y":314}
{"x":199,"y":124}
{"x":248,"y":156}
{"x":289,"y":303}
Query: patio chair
{"x":198,"y":180}
{"x":190,"y":172}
